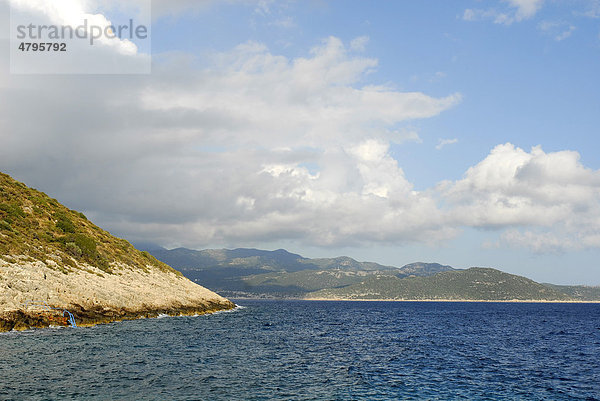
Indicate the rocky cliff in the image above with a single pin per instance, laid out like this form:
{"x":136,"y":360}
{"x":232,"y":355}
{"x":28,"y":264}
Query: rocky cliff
{"x":54,"y":261}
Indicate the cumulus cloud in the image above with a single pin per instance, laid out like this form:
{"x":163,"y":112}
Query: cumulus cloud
{"x":274,"y":101}
{"x":252,"y":147}
{"x":73,"y":13}
{"x":514,"y":188}
{"x":94,"y":44}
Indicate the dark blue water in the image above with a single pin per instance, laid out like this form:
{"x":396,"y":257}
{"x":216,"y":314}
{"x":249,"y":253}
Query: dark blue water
{"x":293,"y":350}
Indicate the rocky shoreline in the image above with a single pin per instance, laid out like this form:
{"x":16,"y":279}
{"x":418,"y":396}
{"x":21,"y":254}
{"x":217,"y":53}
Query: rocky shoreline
{"x":57,"y":269}
{"x":21,"y":320}
{"x":36,"y":295}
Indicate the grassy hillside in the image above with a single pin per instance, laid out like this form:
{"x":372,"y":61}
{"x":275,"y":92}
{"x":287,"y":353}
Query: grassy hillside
{"x":420,"y":269}
{"x":334,"y":273}
{"x":299,"y":283}
{"x":470,"y":284}
{"x":34,"y":226}
{"x":579,"y":292}
{"x":52,"y":259}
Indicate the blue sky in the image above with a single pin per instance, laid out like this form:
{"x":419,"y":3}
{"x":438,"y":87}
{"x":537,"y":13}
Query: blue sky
{"x":519,"y":82}
{"x":461,"y":132}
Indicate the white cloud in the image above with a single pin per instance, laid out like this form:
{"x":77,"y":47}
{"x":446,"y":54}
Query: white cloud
{"x":313,"y":98}
{"x":260,"y":147}
{"x":565,"y":34}
{"x":253,"y":147}
{"x":538,"y":242}
{"x":593,"y":9}
{"x":4,"y":20}
{"x":497,"y":17}
{"x":73,"y":13}
{"x":284,"y":22}
{"x":155,"y":8}
{"x":359,"y":44}
{"x":444,"y":142}
{"x":263,"y":6}
{"x":439,"y":75}
{"x":514,"y":188}
{"x":517,"y":10}
{"x":525,"y":8}
{"x":558,"y":30}
{"x":549,"y":241}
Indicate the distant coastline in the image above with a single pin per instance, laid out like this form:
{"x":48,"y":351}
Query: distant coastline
{"x":260,"y":274}
{"x":510,"y":301}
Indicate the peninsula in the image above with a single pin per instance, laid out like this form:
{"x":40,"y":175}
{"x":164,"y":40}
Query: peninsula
{"x":55,"y":263}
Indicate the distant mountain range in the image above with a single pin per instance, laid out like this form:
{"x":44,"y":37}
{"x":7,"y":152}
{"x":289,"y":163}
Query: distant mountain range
{"x":257,"y":273}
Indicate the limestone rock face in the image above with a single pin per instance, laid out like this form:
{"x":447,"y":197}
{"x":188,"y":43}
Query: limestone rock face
{"x":52,"y":260}
{"x":35,"y":295}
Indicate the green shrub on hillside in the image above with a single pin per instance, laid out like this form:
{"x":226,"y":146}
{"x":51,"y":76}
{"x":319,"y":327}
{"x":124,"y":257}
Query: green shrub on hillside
{"x":11,"y":211}
{"x":34,"y":225}
{"x":84,"y":248}
{"x":5,"y":225}
{"x":38,"y":200}
{"x":87,"y":245}
{"x":65,"y":224}
{"x":73,"y":249}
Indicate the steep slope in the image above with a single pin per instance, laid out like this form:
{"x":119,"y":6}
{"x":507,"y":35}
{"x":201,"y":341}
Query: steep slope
{"x":471,"y":284}
{"x":53,"y":259}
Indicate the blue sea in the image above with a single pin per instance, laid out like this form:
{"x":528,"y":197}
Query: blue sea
{"x":300,"y":350}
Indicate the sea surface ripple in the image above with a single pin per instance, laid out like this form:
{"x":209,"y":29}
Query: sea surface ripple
{"x":300,"y":350}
